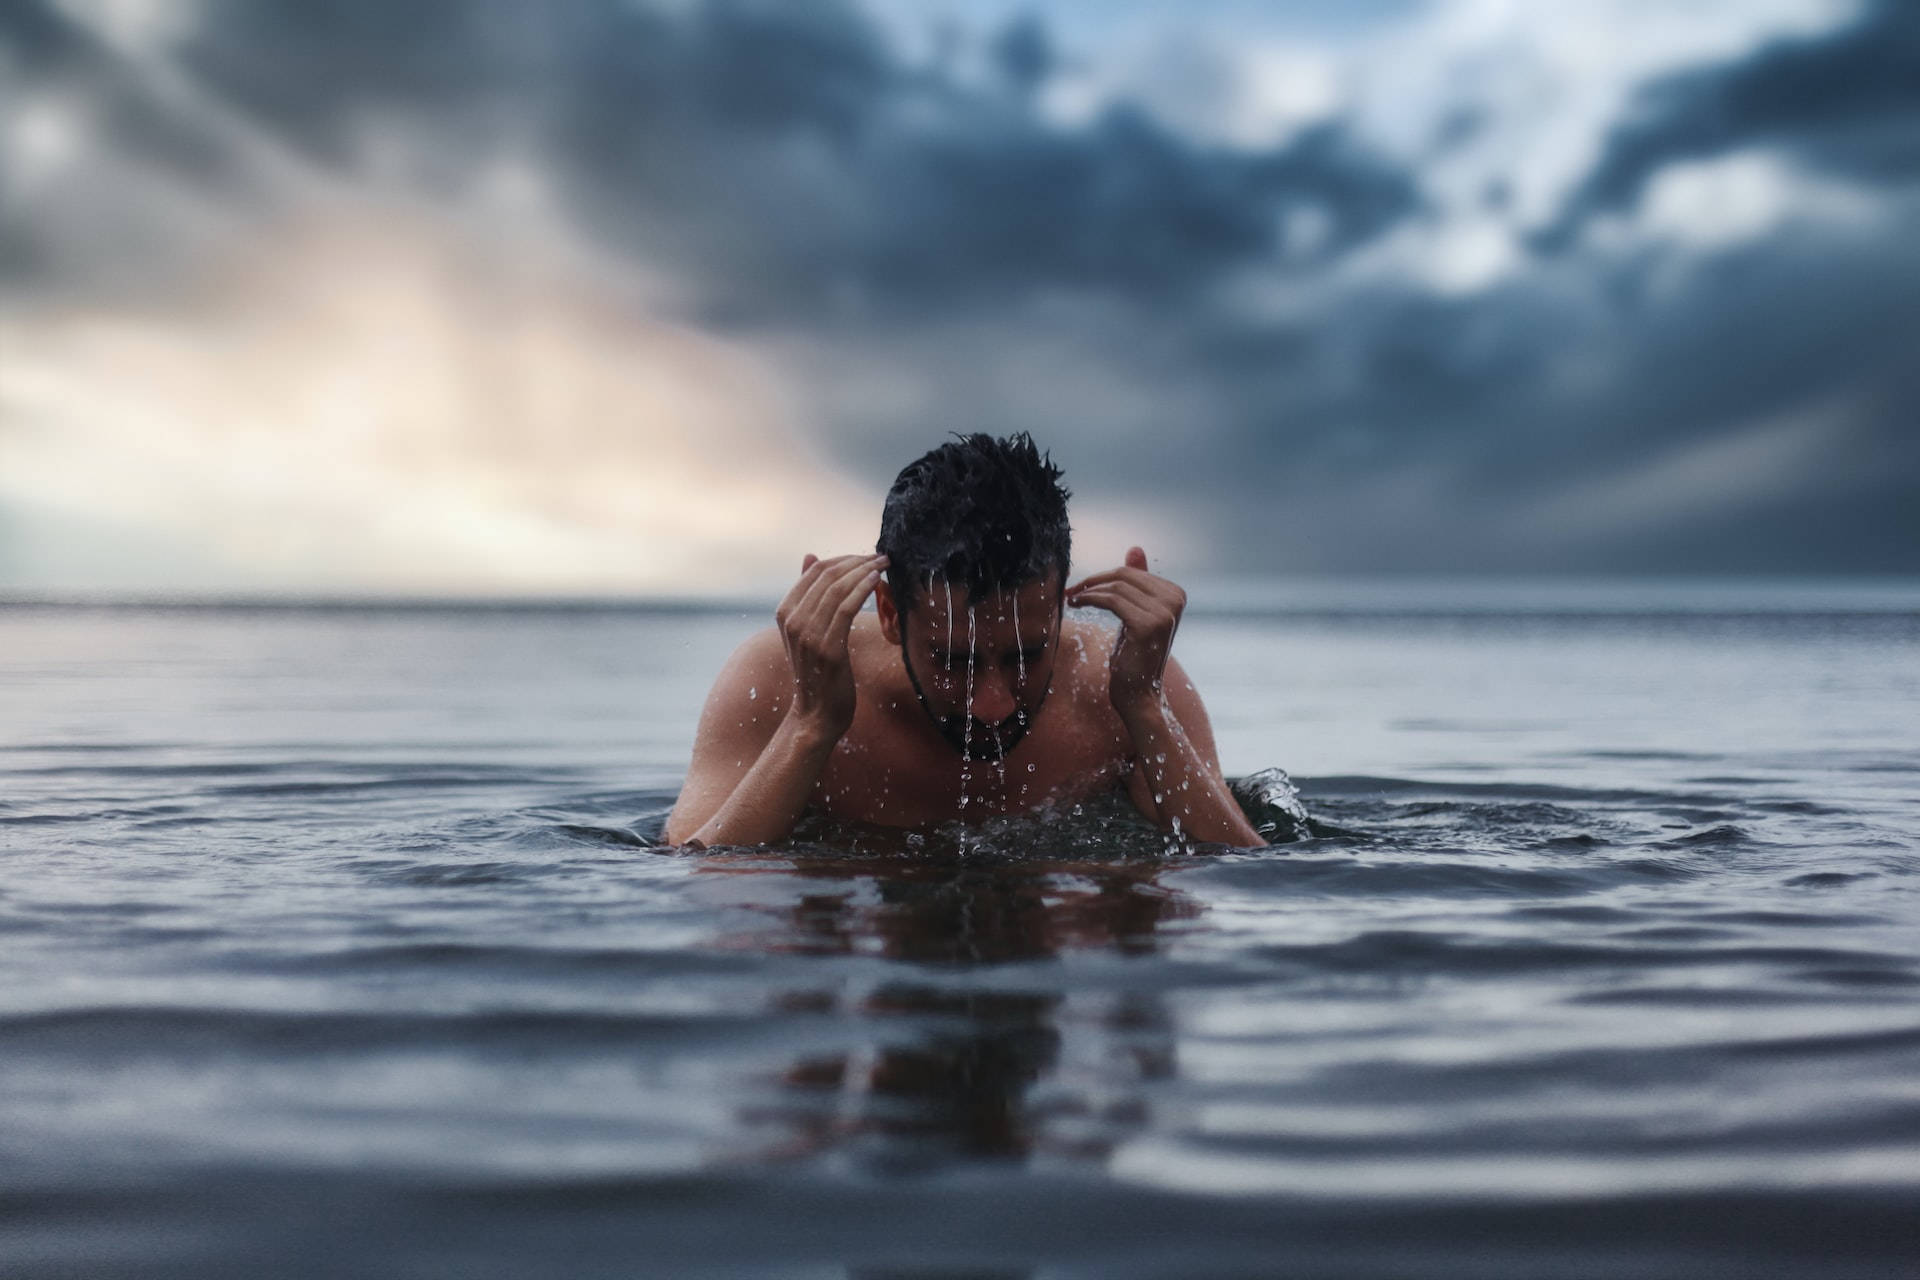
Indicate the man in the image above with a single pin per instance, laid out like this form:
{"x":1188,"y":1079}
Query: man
{"x":968,"y":693}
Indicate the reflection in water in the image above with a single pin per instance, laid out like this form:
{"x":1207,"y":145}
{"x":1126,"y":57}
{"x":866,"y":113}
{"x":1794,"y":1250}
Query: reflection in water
{"x":956,"y":1065}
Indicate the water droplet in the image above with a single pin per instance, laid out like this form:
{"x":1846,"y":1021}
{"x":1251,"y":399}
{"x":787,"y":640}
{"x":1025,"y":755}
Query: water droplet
{"x":1159,"y":757}
{"x":1019,"y":645}
{"x":948,"y":584}
{"x":1029,"y":768}
{"x":753,"y":691}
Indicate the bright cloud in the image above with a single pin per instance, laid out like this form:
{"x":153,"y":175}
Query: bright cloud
{"x":366,"y":406}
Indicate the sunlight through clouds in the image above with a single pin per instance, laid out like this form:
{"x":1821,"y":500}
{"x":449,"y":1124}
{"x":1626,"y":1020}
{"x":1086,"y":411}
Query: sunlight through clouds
{"x":364,"y":406}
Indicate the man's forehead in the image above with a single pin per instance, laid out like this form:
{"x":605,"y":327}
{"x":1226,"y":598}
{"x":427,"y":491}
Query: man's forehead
{"x":1036,"y":601}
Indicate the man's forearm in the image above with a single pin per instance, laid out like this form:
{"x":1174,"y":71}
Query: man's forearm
{"x":1190,"y":796}
{"x":768,"y":800}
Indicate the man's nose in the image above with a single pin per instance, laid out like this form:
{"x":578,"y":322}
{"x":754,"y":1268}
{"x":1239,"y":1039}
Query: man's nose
{"x":993,"y":699}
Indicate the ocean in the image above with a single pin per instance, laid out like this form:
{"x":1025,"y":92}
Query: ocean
{"x":336,"y":941}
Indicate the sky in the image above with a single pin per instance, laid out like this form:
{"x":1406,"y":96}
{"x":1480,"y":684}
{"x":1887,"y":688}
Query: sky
{"x":478,"y":297}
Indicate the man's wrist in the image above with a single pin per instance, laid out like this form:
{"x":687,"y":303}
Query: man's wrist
{"x":811,"y":735}
{"x":1144,"y":715}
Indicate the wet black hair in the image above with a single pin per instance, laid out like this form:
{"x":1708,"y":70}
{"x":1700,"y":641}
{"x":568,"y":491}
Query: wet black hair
{"x":984,"y":512}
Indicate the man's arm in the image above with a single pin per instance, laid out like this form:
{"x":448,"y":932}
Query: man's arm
{"x":743,"y":715}
{"x":777,"y":709}
{"x":1172,"y":739}
{"x":1176,"y":779}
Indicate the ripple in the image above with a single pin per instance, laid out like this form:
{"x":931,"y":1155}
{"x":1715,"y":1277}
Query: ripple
{"x":141,"y":1031}
{"x":1827,"y":879}
{"x":1725,"y":836}
{"x":426,"y":958}
{"x":1395,"y":951}
{"x":434,"y":875}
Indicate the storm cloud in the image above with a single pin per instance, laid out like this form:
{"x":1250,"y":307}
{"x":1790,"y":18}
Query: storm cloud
{"x":1371,"y":336}
{"x":1845,"y":101}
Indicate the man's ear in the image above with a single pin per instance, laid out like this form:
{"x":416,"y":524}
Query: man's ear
{"x":889,"y":616}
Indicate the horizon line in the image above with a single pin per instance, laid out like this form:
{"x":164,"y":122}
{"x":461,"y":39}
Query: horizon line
{"x":1212,"y":595}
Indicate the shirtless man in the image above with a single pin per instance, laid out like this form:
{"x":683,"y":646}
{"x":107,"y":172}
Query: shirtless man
{"x":968,"y":693}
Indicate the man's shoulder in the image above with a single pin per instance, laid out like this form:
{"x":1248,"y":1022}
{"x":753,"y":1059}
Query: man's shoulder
{"x":1086,"y":645}
{"x":758,"y":649}
{"x":756,"y":665}
{"x":1080,"y":675}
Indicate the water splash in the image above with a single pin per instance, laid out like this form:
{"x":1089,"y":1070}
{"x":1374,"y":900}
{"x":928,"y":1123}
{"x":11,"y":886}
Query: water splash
{"x":1272,"y":804}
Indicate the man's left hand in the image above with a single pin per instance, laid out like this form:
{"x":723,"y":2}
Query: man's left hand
{"x":1149,"y":609}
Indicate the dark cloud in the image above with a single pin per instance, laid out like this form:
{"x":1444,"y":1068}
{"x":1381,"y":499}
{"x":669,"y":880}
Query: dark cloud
{"x":1846,"y":101}
{"x":150,"y":178}
{"x":1023,"y":53}
{"x":926,"y":253}
{"x":814,"y":178}
{"x":788,"y":157}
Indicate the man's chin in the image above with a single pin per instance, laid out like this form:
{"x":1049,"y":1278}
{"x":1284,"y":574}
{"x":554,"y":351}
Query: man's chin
{"x":987,"y":743}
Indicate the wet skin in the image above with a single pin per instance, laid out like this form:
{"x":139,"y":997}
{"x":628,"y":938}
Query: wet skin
{"x":894,"y":767}
{"x":872,"y":718}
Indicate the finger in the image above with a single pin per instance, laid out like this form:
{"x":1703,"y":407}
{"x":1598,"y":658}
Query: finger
{"x":1092,"y":580}
{"x":842,"y":620}
{"x":1125,"y":573}
{"x":793,"y":605}
{"x":1125,"y":603}
{"x":1132,"y":593}
{"x":1136,"y":558}
{"x":1140,"y":611}
{"x":1156,"y":596}
{"x":841,"y":603}
{"x":822,"y":586}
{"x":824,"y":598}
{"x":797,"y":593}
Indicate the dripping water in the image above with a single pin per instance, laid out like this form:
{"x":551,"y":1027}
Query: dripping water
{"x":1019,"y":643}
{"x":966,"y":730}
{"x":949,"y":586}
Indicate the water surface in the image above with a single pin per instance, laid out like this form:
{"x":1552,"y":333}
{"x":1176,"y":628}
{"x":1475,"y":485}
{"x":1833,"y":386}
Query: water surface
{"x":334,"y":942}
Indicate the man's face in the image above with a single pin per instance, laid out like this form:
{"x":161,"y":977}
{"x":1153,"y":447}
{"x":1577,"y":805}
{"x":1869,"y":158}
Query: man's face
{"x":982,"y":666}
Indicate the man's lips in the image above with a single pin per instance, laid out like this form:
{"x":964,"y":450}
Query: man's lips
{"x":979,"y":740}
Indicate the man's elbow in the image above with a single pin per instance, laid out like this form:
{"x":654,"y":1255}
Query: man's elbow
{"x":683,"y":824}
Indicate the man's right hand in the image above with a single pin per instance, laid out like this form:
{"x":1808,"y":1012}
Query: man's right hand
{"x":814,"y":621}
